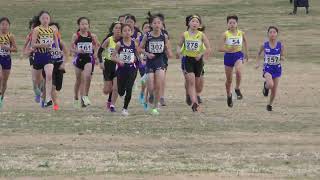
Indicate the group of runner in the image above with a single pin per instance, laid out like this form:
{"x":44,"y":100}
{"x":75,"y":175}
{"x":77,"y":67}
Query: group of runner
{"x":125,"y":51}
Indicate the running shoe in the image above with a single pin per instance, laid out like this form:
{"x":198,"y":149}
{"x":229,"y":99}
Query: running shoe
{"x":48,"y":104}
{"x":239,"y":95}
{"x":162,"y":102}
{"x":1,"y":101}
{"x":86,"y":100}
{"x":125,"y":112}
{"x":145,"y":107}
{"x":229,"y":101}
{"x":195,"y":107}
{"x":155,"y":112}
{"x":199,"y":100}
{"x":188,"y":100}
{"x":56,"y":107}
{"x":112,"y":108}
{"x":141,"y":98}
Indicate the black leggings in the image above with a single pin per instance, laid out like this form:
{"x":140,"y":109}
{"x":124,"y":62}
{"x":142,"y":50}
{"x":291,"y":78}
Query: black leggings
{"x":125,"y":85}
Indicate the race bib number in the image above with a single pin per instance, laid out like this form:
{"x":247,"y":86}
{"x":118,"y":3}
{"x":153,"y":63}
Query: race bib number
{"x":110,"y":51}
{"x":156,"y":46}
{"x":192,"y":45}
{"x":87,"y":47}
{"x":234,"y":42}
{"x":272,"y":60}
{"x":56,"y":53}
{"x":127,"y":57}
{"x":46,"y":40}
{"x":4,"y":52}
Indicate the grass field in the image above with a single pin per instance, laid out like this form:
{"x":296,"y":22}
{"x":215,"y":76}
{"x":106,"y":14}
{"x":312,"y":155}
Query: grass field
{"x":244,"y":142}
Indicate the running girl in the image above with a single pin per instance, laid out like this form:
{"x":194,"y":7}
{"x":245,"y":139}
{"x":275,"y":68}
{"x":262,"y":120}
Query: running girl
{"x":191,"y":48}
{"x":125,"y":57}
{"x":232,"y":44}
{"x":7,"y":45}
{"x":131,"y":21}
{"x":84,"y":45}
{"x":166,"y":64}
{"x":142,"y":69}
{"x":274,"y":52}
{"x":108,"y":66}
{"x":154,"y":45}
{"x":28,"y":51}
{"x":43,"y":37}
{"x":59,"y":60}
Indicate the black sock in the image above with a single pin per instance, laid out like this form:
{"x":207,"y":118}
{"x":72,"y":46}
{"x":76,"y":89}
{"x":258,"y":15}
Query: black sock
{"x":109,"y":98}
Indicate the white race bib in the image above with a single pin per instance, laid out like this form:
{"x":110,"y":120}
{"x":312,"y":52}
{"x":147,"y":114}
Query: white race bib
{"x":87,"y":47}
{"x":192,"y":45}
{"x":127,"y":57}
{"x":110,"y":51}
{"x":46,"y":40}
{"x":4,"y":52}
{"x":272,"y":59}
{"x":156,"y":46}
{"x":234,"y":41}
{"x":56,"y":53}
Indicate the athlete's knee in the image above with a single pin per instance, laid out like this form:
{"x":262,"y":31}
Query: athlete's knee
{"x":229,"y":81}
{"x":121,"y":91}
{"x":106,"y":90}
{"x":270,"y":85}
{"x":78,"y":78}
{"x":238,"y":72}
{"x":87,"y":76}
{"x":48,"y":77}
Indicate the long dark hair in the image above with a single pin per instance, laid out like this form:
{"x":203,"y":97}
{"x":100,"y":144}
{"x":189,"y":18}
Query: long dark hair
{"x":80,"y":19}
{"x":32,"y":22}
{"x":110,"y":33}
{"x":5,"y":19}
{"x":190,"y":17}
{"x":130,"y":16}
{"x":37,"y":18}
{"x":151,"y":17}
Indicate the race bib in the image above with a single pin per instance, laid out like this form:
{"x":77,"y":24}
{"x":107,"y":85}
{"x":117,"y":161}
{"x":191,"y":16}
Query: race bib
{"x":156,"y":46}
{"x":46,"y":40}
{"x":110,"y":51}
{"x":127,"y":57}
{"x":87,"y":47}
{"x":234,"y":41}
{"x":272,"y":59}
{"x":4,"y":52}
{"x":192,"y":45}
{"x":56,"y":53}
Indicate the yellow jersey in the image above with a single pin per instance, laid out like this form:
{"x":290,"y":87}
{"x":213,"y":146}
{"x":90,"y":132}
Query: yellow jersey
{"x":45,"y":36}
{"x":234,"y":40}
{"x":193,"y":45}
{"x":110,"y":49}
{"x":5,"y":40}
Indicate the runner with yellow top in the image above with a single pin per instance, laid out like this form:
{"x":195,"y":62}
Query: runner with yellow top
{"x":191,"y":48}
{"x":7,"y":45}
{"x":108,"y":66}
{"x":43,"y":37}
{"x":232,"y":44}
